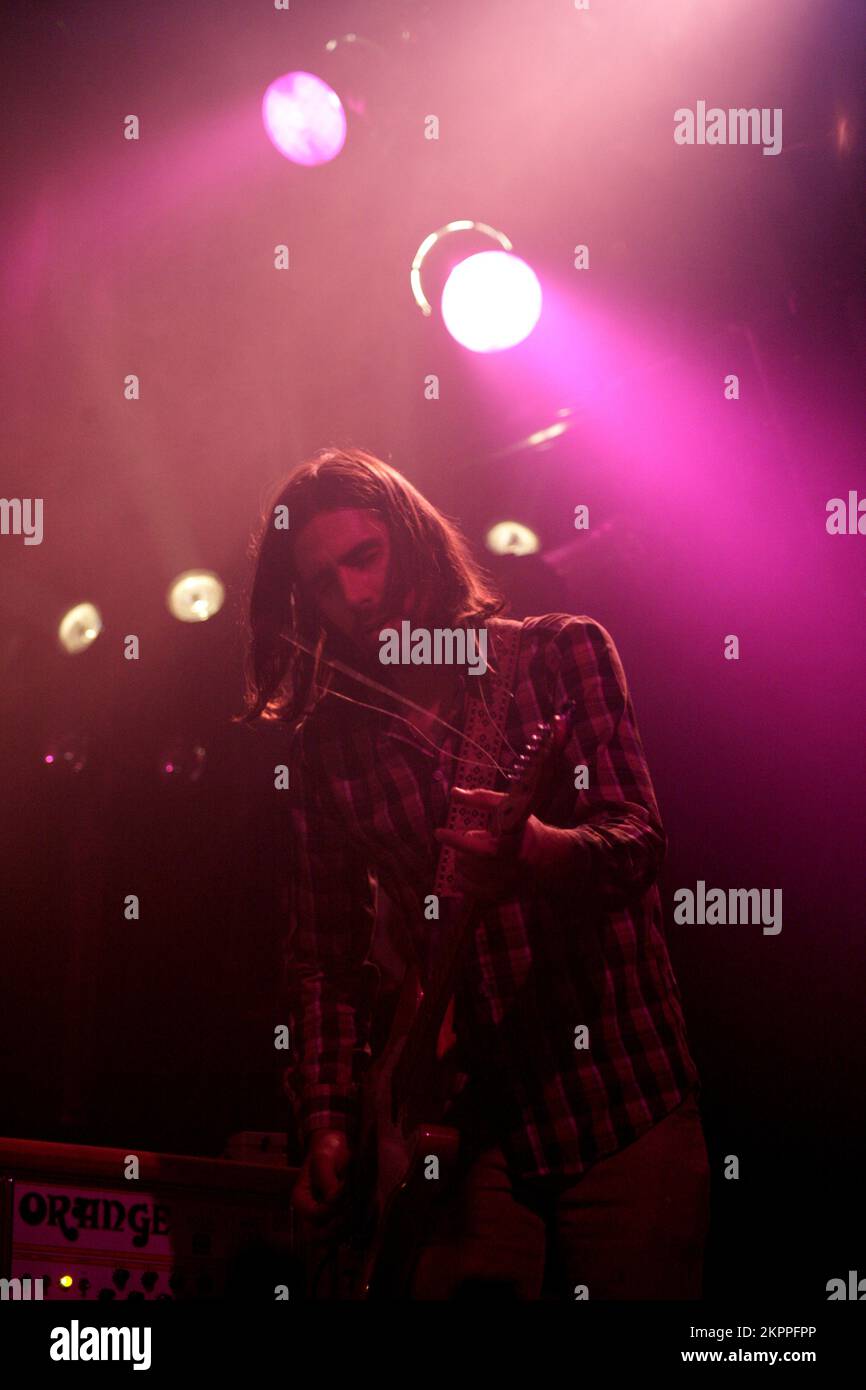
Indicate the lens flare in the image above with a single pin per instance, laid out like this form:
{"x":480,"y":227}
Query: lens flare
{"x":491,"y":301}
{"x":79,"y":628}
{"x":195,"y":596}
{"x":304,"y":118}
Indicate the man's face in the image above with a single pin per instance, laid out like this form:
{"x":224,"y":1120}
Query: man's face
{"x":343,"y":560}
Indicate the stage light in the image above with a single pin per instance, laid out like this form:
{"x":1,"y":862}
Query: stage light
{"x":534,"y":441}
{"x":304,"y":118}
{"x":540,"y":440}
{"x":79,"y":628}
{"x":66,"y":753}
{"x":439,"y":239}
{"x":182,"y":763}
{"x":511,"y":538}
{"x":195,"y":596}
{"x":491,"y":301}
{"x":844,"y":139}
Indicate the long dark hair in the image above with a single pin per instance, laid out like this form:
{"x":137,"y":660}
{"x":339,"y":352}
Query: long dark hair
{"x":428,"y":552}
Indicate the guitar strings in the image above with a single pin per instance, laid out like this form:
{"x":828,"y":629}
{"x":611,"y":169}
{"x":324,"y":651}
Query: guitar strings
{"x":335,"y":664}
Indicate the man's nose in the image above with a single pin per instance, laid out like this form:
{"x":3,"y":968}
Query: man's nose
{"x":357,"y":590}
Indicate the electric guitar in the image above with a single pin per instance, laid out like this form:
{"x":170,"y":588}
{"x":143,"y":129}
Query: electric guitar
{"x":405,"y":1090}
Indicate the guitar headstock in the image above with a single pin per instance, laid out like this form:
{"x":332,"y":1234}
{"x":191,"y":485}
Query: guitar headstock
{"x":527,"y":778}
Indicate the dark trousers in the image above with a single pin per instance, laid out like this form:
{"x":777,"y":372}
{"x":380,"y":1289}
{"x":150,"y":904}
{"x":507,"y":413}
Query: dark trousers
{"x":632,"y":1227}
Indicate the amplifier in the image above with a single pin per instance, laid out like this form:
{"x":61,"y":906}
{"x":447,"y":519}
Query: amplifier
{"x":181,"y":1228}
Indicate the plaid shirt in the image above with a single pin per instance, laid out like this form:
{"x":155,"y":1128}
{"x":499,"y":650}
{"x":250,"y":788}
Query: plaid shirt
{"x":366,"y":795}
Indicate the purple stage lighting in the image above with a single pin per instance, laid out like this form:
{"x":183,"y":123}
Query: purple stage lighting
{"x":491,"y":301}
{"x":304,"y":118}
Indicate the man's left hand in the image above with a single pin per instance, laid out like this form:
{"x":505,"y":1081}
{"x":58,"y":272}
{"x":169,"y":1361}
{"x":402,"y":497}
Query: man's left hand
{"x":490,"y":866}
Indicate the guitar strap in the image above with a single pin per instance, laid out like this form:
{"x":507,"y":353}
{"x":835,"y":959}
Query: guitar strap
{"x":485,"y":725}
{"x":484,"y":720}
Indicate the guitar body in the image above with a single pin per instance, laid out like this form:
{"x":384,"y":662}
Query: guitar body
{"x":406,"y":1089}
{"x":394,"y":1154}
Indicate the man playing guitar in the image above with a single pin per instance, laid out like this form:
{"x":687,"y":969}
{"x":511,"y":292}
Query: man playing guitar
{"x":582,"y":1168}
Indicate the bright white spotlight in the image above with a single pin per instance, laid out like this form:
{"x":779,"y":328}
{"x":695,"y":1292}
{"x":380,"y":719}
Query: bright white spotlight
{"x":491,"y":301}
{"x":80,"y":627}
{"x":511,"y":538}
{"x":195,"y":596}
{"x":304,"y":118}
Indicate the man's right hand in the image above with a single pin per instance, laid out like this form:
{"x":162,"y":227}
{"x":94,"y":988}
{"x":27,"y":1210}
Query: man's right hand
{"x":321,"y":1181}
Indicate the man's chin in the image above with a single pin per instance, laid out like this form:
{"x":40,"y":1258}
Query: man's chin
{"x":365,"y":645}
{"x":373,"y":634}
{"x":369,"y":644}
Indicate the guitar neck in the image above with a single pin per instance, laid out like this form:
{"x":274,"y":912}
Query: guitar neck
{"x":527,"y":779}
{"x":422,"y":1036}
